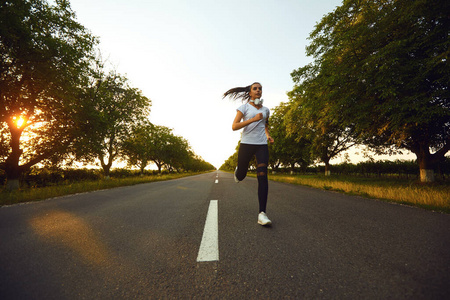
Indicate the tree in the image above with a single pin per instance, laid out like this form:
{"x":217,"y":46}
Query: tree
{"x":138,"y":147}
{"x":290,"y":147}
{"x":382,"y":67}
{"x":148,"y":142}
{"x":177,"y":153}
{"x":160,"y":136}
{"x":196,"y":164}
{"x":308,"y":118}
{"x":44,"y":55}
{"x":231,"y":163}
{"x":110,"y":109}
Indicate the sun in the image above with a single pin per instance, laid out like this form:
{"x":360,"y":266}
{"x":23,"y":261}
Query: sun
{"x":19,"y":121}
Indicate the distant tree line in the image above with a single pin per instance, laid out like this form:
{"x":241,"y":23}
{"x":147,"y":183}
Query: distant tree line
{"x":374,"y":169}
{"x":379,"y":78}
{"x":59,"y":104}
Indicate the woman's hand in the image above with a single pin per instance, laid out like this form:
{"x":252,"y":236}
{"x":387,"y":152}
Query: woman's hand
{"x":258,"y":117}
{"x":237,"y":124}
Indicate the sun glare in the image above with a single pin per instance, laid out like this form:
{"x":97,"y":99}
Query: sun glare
{"x":19,"y":121}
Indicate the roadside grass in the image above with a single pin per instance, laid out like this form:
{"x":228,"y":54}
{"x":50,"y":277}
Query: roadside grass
{"x":435,"y":196}
{"x":68,"y":188}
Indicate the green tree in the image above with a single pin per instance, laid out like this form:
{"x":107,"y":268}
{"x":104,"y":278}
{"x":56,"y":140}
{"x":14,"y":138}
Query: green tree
{"x":160,"y":136}
{"x":196,"y":164}
{"x":44,"y":56}
{"x":150,"y":143}
{"x":382,"y":67}
{"x":177,"y":153}
{"x":290,"y":147}
{"x":308,"y":119}
{"x":138,"y":147}
{"x":110,"y":109}
{"x":231,"y":163}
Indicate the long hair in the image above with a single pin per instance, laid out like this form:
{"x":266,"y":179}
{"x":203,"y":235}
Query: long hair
{"x":241,"y":93}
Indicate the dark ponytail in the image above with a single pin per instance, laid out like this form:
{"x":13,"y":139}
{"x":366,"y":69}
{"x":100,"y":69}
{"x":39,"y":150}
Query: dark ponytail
{"x":239,"y":93}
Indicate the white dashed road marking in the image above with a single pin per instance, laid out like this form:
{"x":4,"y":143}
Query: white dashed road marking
{"x":209,"y":247}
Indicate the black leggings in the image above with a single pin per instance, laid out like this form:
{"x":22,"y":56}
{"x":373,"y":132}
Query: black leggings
{"x":245,"y":154}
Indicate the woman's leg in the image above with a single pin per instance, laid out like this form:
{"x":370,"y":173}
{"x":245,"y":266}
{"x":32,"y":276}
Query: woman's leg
{"x":245,"y":154}
{"x":262,"y":160}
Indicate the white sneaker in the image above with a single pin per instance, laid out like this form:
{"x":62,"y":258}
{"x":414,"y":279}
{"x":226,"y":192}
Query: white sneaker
{"x":235,"y":178}
{"x":263,"y":219}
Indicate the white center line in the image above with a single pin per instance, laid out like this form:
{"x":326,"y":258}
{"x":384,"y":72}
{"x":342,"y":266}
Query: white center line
{"x":217,"y":180}
{"x":209,"y":247}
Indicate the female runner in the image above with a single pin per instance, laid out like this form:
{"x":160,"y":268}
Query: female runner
{"x":253,"y":117}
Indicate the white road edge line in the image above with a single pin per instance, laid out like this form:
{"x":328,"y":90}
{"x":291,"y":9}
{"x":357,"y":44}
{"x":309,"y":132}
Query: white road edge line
{"x":209,"y":247}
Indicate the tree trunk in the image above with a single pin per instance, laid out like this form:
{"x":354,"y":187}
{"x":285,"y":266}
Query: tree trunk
{"x":425,"y":166}
{"x":106,"y":166}
{"x":426,"y":162}
{"x":426,"y":175}
{"x":159,"y":166}
{"x":13,"y":172}
{"x":325,"y":157}
{"x":327,"y":168}
{"x":12,"y":168}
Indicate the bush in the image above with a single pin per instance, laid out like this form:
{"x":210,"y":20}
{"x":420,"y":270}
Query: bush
{"x":40,"y":177}
{"x":386,"y":168}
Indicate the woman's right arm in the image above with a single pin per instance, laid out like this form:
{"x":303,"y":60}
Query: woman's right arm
{"x":237,"y":124}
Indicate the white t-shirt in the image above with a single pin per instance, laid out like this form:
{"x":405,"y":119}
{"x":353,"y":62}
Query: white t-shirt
{"x":255,"y":132}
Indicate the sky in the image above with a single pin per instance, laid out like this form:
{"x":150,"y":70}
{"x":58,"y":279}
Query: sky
{"x":184,"y":54}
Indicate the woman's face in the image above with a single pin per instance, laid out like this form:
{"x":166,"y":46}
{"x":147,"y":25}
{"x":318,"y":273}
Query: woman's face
{"x":255,"y":91}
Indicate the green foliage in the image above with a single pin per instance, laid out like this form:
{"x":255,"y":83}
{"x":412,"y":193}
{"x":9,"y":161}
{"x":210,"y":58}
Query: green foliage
{"x":138,"y":147}
{"x":44,"y":56}
{"x":151,"y":143}
{"x":380,"y":73}
{"x":290,"y":147}
{"x":109,"y":110}
{"x":177,"y":152}
{"x":71,"y":108}
{"x":197,"y":164}
{"x":231,"y":163}
{"x":384,"y":168}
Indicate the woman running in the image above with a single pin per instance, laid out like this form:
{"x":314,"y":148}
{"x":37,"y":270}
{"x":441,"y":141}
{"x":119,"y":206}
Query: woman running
{"x":253,"y":117}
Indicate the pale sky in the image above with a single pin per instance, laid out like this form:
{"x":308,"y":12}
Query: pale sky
{"x":184,"y":54}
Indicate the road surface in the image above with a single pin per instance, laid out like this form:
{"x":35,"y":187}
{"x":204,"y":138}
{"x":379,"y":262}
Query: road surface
{"x":144,"y":242}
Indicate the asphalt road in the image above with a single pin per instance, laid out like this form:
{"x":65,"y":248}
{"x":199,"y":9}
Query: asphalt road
{"x":143,"y":241}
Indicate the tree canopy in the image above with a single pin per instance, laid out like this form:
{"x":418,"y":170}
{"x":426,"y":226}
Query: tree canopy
{"x":45,"y":54}
{"x":288,"y":149}
{"x":56,"y":99}
{"x":110,"y":108}
{"x":380,"y":72}
{"x":148,"y":143}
